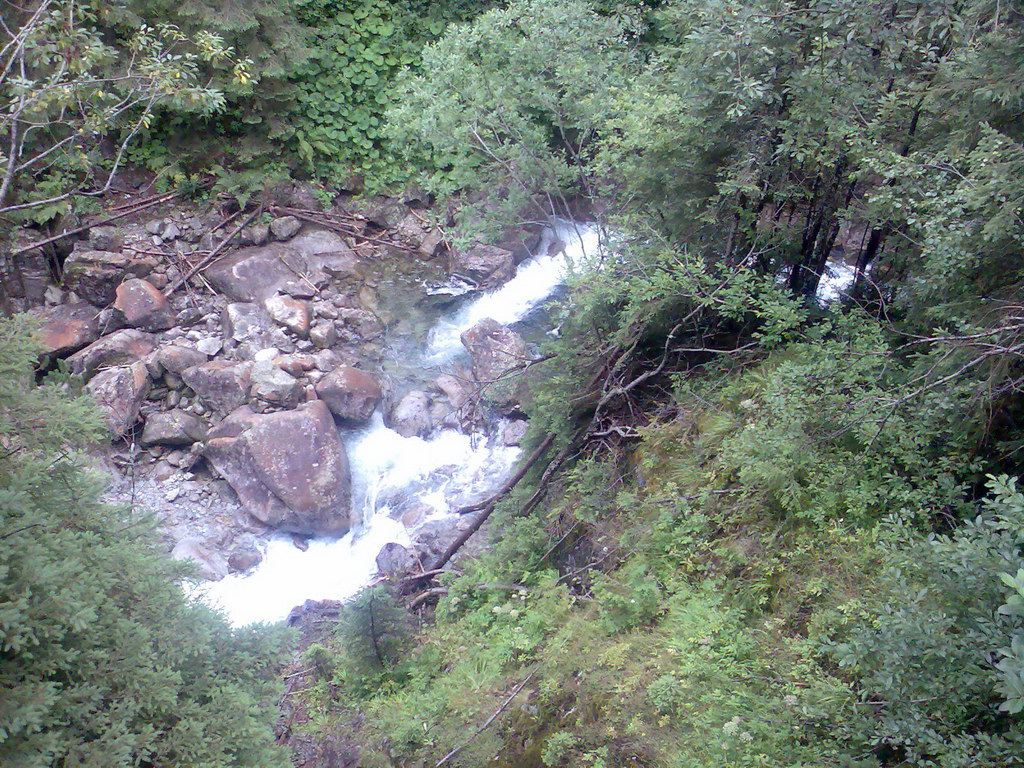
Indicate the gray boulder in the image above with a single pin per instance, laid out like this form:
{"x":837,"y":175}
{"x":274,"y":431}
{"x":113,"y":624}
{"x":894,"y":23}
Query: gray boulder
{"x":288,"y":468}
{"x":175,"y":427}
{"x":297,"y":268}
{"x":486,"y":265}
{"x":221,"y":386}
{"x":411,"y":415}
{"x":176,"y":358}
{"x":120,"y":393}
{"x":119,"y":348}
{"x":285,"y":227}
{"x":496,"y":352}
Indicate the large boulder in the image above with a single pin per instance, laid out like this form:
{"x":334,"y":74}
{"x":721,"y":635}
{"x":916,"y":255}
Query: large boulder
{"x":120,"y":393}
{"x":66,"y":328}
{"x":411,"y":415}
{"x":220,"y":385}
{"x":488,"y":266}
{"x":496,"y":351}
{"x":272,"y":384}
{"x":174,"y":427}
{"x":349,"y":393}
{"x":176,"y":358}
{"x":288,"y":468}
{"x":95,"y":275}
{"x":119,"y":348}
{"x":297,"y":268}
{"x":143,"y":306}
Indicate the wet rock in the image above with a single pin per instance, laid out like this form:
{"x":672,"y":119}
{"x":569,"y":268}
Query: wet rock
{"x":486,"y":265}
{"x":394,"y":560}
{"x":95,"y":275}
{"x":120,"y":393}
{"x":143,"y":306}
{"x":244,"y":559}
{"x":288,"y":468}
{"x":349,"y":393}
{"x":175,"y":427}
{"x":494,"y":349}
{"x":411,"y":415}
{"x":119,"y":348}
{"x":209,"y":562}
{"x":67,"y":328}
{"x":275,"y":386}
{"x":514,"y":432}
{"x":285,"y":227}
{"x":293,"y":314}
{"x":358,"y":325}
{"x":176,"y":358}
{"x":220,"y":385}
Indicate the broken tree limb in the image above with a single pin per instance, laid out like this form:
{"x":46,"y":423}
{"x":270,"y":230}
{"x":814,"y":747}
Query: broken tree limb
{"x":212,"y":255}
{"x":137,"y":207}
{"x":504,"y":705}
{"x":512,"y":481}
{"x":491,"y":503}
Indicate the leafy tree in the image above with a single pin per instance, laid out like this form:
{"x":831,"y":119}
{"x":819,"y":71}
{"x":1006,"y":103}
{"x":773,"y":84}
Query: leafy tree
{"x":103,"y":661}
{"x":510,"y":104}
{"x":69,"y":88}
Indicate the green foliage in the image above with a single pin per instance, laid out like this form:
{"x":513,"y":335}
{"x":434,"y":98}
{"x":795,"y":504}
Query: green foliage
{"x":923,"y":651}
{"x":72,"y":83}
{"x":103,"y":661}
{"x":510,"y":103}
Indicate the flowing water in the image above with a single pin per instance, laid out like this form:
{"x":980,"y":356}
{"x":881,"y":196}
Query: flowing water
{"x":442,"y":472}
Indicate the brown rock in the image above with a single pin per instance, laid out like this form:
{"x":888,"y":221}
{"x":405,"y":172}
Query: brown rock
{"x":221,"y":386}
{"x":349,"y":393}
{"x":120,"y":392}
{"x":288,"y":468}
{"x":143,"y":306}
{"x":67,"y":328}
{"x":293,"y":314}
{"x":119,"y":348}
{"x":95,"y":275}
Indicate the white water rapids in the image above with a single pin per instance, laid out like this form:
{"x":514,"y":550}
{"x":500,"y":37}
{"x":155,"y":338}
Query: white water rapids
{"x":443,"y":471}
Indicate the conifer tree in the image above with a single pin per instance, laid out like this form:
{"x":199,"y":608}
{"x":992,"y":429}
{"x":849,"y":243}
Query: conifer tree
{"x":103,"y":660}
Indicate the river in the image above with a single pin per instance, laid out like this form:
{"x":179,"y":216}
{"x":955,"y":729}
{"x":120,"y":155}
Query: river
{"x":444,"y":471}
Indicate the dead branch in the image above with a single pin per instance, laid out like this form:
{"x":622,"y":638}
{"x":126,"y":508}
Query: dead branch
{"x":491,"y":719}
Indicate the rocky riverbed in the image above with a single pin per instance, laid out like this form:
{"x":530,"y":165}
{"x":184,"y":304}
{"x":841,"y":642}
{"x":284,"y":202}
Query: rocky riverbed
{"x":236,"y":401}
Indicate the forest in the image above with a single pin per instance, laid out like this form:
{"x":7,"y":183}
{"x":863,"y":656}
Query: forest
{"x":764,"y":522}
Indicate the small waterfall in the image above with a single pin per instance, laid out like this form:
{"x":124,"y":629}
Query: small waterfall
{"x":445,"y":471}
